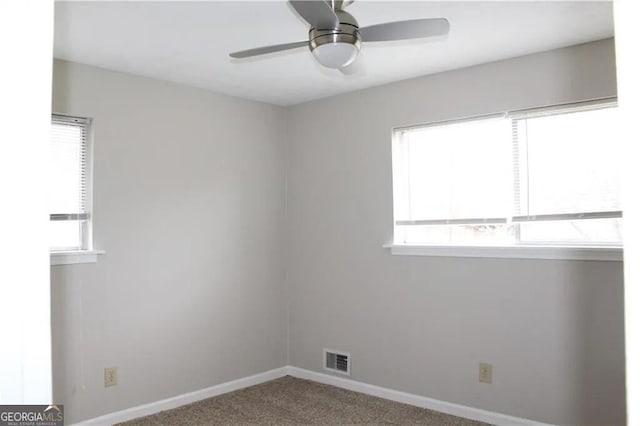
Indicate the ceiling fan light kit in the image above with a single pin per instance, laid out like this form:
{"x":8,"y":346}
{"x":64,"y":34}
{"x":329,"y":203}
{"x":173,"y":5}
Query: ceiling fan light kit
{"x":335,"y":48}
{"x":335,"y":37}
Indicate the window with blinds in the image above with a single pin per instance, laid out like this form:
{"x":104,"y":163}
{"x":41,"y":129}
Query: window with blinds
{"x":69,"y":191}
{"x":541,"y":177}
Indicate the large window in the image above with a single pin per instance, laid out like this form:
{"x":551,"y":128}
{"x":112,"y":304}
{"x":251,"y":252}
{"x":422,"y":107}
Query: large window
{"x":69,"y":184}
{"x":539,"y":177}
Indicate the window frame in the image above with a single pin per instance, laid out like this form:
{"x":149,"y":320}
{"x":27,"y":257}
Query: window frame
{"x":86,"y":252}
{"x":519,"y":248}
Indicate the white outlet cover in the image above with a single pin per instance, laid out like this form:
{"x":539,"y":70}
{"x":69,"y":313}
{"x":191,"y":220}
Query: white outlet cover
{"x":485,"y":372}
{"x":110,"y":376}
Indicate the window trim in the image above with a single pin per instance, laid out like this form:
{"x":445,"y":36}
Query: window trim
{"x":69,"y":257}
{"x":525,"y":251}
{"x":519,"y":249}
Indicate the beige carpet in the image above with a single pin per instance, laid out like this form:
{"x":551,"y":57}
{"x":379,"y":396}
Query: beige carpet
{"x":291,"y":401}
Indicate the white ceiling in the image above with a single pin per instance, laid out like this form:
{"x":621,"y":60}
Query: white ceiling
{"x":189,"y":42}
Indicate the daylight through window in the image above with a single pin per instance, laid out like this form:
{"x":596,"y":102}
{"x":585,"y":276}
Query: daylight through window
{"x":545,"y":177}
{"x":68,"y":184}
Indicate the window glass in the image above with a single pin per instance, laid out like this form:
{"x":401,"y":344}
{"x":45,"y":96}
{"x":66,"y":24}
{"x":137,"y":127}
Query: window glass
{"x":573,"y":162}
{"x":449,"y":175}
{"x":65,"y":234}
{"x":68,"y":184}
{"x":548,"y":177}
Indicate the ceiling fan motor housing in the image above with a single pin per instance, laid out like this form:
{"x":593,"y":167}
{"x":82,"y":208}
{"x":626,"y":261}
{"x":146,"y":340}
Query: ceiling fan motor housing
{"x":345,"y":34}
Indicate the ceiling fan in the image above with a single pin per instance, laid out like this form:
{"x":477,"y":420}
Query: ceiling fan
{"x":335,"y":37}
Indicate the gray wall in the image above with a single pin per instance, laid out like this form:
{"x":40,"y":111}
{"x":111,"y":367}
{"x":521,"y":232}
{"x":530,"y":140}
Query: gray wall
{"x":552,"y":329}
{"x":189,"y":205}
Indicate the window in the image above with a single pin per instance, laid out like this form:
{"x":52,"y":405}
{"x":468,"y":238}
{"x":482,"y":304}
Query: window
{"x":547,"y":177}
{"x":69,"y":185}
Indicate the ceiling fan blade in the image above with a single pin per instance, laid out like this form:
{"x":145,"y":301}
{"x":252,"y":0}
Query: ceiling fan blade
{"x":404,"y":30}
{"x":268,"y":49}
{"x":318,"y":13}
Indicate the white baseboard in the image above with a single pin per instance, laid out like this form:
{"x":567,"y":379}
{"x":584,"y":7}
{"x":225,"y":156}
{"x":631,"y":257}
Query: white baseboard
{"x":341,"y":382}
{"x":187,"y":398}
{"x":415,"y":400}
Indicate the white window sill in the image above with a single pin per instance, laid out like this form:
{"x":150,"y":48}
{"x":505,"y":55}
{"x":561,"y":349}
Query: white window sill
{"x":74,"y":256}
{"x":601,"y":253}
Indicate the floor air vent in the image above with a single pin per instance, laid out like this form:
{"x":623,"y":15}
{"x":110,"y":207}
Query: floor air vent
{"x":338,"y":362}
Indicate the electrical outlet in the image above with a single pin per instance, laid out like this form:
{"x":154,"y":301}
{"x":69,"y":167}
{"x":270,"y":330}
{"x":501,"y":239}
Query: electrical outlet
{"x":485,"y":372}
{"x":110,"y":376}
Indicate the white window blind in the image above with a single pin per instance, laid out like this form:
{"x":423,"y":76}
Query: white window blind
{"x":547,"y":176}
{"x":442,"y":180}
{"x":567,"y":172}
{"x":68,"y":184}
